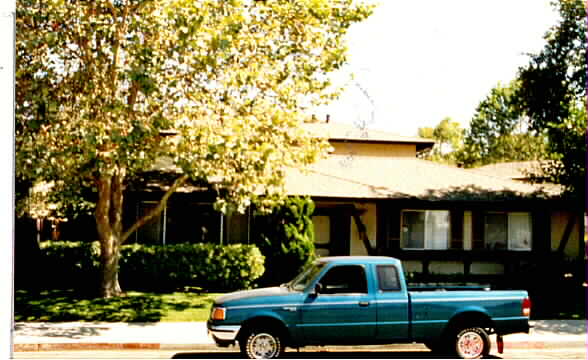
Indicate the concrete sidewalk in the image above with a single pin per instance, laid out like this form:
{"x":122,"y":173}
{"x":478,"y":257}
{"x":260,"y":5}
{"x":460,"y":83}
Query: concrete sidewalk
{"x":193,"y":335}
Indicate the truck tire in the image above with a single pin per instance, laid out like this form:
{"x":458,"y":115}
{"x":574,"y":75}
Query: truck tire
{"x":472,"y":343}
{"x":262,"y":344}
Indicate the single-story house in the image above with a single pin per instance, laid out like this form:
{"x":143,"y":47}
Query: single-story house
{"x":373,"y":195}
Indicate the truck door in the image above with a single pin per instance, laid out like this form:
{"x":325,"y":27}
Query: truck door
{"x":343,"y":311}
{"x":392,"y":304}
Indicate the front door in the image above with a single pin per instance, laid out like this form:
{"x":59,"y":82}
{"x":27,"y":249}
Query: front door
{"x":343,"y":312}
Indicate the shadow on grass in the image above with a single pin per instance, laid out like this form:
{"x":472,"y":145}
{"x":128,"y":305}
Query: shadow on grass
{"x":70,"y":305}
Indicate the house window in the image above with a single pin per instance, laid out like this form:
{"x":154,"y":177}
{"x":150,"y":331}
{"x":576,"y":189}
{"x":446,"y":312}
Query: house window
{"x":425,"y":229}
{"x":510,"y":231}
{"x":192,"y":223}
{"x":151,"y":232}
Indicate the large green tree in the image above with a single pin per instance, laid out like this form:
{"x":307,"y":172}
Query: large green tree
{"x":500,"y":131}
{"x":448,"y":136}
{"x":215,"y":88}
{"x":553,"y":93}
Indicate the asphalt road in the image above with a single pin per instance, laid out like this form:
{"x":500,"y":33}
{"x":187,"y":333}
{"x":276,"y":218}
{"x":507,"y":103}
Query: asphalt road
{"x":546,"y":353}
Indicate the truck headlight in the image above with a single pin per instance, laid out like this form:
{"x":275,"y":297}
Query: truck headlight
{"x":218,"y":313}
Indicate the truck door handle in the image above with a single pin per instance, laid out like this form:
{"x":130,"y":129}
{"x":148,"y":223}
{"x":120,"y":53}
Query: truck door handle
{"x":364,"y":303}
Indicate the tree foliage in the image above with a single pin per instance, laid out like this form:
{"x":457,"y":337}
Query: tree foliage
{"x":553,"y":93}
{"x":448,"y":136}
{"x":286,"y":239}
{"x":500,"y":132}
{"x":101,"y":85}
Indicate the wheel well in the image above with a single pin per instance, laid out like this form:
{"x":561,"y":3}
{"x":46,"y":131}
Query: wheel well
{"x":470,"y":319}
{"x":265,"y":322}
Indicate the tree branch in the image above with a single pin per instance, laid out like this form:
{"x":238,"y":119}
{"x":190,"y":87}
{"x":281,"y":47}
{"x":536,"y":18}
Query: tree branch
{"x":155,"y":211}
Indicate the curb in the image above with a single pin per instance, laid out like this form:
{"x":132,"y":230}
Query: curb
{"x":214,"y":348}
{"x":109,"y":346}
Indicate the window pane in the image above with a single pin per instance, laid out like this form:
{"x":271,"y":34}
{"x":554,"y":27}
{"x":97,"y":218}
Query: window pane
{"x":437,"y":231}
{"x":495,"y":231}
{"x":519,"y":231}
{"x":413,"y":229}
{"x":388,"y":278}
{"x":192,"y":223}
{"x":344,"y":279}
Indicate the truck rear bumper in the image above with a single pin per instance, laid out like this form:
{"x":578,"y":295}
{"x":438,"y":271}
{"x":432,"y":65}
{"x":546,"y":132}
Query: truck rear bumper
{"x":512,"y":326}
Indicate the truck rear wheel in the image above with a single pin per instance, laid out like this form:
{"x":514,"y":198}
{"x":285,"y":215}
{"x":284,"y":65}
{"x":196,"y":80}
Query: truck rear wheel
{"x":472,"y":343}
{"x":262,"y":344}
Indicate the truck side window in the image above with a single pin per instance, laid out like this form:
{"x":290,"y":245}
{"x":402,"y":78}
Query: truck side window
{"x":388,"y":278}
{"x":345,"y":279}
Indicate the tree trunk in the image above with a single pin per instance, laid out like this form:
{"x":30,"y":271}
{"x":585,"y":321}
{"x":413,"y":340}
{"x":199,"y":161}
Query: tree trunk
{"x":109,"y":215}
{"x":109,"y":224}
{"x":109,"y":256}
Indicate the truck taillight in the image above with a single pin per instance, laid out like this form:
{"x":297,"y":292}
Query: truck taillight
{"x":527,"y":307}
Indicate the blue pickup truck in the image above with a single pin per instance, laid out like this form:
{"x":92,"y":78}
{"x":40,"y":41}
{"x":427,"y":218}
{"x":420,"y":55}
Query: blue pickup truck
{"x":365,"y":301}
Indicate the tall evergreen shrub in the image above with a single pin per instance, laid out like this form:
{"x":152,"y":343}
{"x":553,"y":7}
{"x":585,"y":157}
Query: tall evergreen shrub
{"x":286,"y":239}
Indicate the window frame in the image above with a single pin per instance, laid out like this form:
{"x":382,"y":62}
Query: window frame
{"x":508,"y":214}
{"x":426,"y":243}
{"x":363,"y":269}
{"x":380,"y":288}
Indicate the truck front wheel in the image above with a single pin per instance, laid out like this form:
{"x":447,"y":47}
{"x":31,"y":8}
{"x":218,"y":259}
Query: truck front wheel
{"x":472,"y":343}
{"x":262,"y":344}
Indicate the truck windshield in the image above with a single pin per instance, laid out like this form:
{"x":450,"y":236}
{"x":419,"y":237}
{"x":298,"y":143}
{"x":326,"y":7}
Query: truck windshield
{"x":302,"y":280}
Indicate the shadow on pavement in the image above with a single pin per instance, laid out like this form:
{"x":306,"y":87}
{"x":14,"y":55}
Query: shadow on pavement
{"x":565,"y":327}
{"x":324,"y":355}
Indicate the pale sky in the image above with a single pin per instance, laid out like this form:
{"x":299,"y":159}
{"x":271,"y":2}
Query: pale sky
{"x":421,"y":61}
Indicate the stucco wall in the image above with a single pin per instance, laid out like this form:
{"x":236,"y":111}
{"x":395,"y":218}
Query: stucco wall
{"x":559,"y":220}
{"x":389,"y":150}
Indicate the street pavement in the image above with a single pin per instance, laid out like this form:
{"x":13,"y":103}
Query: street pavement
{"x":192,"y":336}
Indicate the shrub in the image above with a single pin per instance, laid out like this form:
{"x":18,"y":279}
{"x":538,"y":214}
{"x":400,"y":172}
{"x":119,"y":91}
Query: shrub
{"x":208,"y":266}
{"x":155,"y":267}
{"x":67,"y":264}
{"x":286,"y":239}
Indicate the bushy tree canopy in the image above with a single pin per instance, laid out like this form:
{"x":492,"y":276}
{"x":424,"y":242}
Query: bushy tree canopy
{"x":500,"y":131}
{"x":106,"y":88}
{"x":448,"y":136}
{"x":553,"y":94}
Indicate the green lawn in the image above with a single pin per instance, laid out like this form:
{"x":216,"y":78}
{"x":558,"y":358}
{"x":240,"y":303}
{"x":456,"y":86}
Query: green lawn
{"x":68,"y":305}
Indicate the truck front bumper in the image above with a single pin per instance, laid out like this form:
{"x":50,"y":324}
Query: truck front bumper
{"x":224,"y":335}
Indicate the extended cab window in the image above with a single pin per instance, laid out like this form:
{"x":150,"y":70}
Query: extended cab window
{"x":388,"y":278}
{"x":345,"y":279}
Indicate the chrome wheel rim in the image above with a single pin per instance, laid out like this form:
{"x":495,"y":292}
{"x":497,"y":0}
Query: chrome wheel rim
{"x":264,"y":346}
{"x":470,"y":345}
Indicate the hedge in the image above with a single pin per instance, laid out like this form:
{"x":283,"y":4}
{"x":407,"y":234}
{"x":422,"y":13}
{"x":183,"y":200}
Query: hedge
{"x":155,"y":267}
